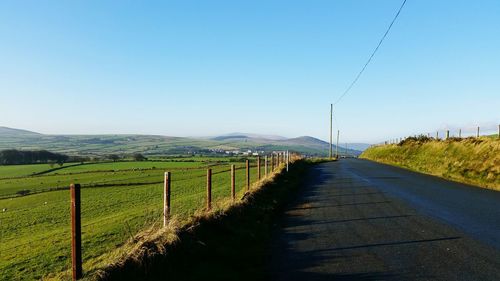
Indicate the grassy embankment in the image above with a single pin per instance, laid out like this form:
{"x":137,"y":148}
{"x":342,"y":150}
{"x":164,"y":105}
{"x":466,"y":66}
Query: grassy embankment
{"x":474,"y":161}
{"x":118,"y":201}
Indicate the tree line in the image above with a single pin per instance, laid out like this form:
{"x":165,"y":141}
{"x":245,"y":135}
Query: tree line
{"x":19,"y":157}
{"x":15,"y":157}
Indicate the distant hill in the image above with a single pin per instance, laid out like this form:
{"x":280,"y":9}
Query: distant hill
{"x":308,"y":141}
{"x":253,"y":136}
{"x":359,"y":146}
{"x":97,"y":145}
{"x":235,"y":137}
{"x":15,"y":132}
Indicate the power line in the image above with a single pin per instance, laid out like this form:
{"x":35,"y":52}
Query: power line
{"x":372,"y":55}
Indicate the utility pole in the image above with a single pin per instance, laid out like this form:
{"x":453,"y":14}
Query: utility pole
{"x":337,"y":147}
{"x":331,"y":126}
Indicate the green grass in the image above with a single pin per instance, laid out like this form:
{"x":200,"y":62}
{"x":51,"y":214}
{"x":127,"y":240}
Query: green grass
{"x":117,"y":166}
{"x":90,"y":175}
{"x":35,"y":232}
{"x":472,"y":160}
{"x":11,"y":171}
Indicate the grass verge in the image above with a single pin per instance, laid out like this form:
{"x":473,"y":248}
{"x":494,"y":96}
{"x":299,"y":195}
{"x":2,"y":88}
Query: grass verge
{"x":473,"y":161}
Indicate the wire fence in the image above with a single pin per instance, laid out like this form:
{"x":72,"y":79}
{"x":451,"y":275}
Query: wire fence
{"x":110,"y":218}
{"x":444,"y":134}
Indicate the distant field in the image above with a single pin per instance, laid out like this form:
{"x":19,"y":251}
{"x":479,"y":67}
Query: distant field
{"x":16,"y":178}
{"x":11,"y":171}
{"x":118,"y":200}
{"x":118,"y":166}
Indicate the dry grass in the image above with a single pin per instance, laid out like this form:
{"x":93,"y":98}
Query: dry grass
{"x":474,"y":161}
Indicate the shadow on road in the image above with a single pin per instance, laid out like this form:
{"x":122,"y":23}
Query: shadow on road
{"x":342,"y":227}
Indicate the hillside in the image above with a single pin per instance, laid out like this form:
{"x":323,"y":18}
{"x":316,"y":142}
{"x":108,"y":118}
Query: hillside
{"x":472,"y":160}
{"x":5,"y":131}
{"x":151,"y":145}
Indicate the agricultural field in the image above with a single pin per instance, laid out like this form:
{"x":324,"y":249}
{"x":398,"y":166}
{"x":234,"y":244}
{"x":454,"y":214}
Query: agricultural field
{"x":118,"y":201}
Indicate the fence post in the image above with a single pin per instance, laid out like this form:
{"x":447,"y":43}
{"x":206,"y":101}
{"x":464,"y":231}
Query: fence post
{"x":499,"y":131}
{"x":76,"y":231}
{"x":248,"y":173}
{"x":258,"y":167}
{"x":166,"y":198}
{"x":233,"y":185}
{"x":437,"y":135}
{"x":287,"y":159}
{"x":447,"y":134}
{"x":265,"y":165}
{"x":209,"y":189}
{"x":478,"y":131}
{"x":272,"y":163}
{"x":459,"y":133}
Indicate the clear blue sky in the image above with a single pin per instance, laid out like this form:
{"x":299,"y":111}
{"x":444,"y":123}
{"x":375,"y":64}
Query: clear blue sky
{"x":197,"y":68}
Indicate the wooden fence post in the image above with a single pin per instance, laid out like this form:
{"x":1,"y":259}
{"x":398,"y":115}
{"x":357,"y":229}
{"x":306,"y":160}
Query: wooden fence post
{"x":209,"y":189}
{"x":437,"y":135}
{"x":265,"y":163}
{"x":272,"y":163}
{"x":459,"y":133}
{"x":166,"y":198}
{"x":258,"y":167}
{"x":478,"y":131}
{"x":447,"y":134}
{"x":248,"y":173}
{"x":76,"y":231}
{"x":287,"y":159}
{"x":499,"y":131}
{"x":233,"y":183}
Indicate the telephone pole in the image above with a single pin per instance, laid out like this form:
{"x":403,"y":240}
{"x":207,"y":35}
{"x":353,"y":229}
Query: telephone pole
{"x":331,"y":126}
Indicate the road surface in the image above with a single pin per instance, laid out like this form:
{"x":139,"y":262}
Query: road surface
{"x":359,"y":220}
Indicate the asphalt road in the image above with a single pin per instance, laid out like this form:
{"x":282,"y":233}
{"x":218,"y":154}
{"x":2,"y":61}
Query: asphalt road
{"x":359,"y":220}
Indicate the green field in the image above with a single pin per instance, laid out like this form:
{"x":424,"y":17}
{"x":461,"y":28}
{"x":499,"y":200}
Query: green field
{"x":12,"y":171}
{"x":118,"y":200}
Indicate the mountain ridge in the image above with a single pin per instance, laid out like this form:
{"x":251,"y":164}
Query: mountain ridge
{"x":100,"y":144}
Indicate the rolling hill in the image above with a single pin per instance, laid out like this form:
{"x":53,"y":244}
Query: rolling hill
{"x":97,"y":145}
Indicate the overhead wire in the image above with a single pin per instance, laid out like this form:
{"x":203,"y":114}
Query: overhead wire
{"x":372,"y":55}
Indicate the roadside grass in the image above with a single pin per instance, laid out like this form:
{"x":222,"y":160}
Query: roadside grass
{"x":35,"y":229}
{"x":474,"y":161}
